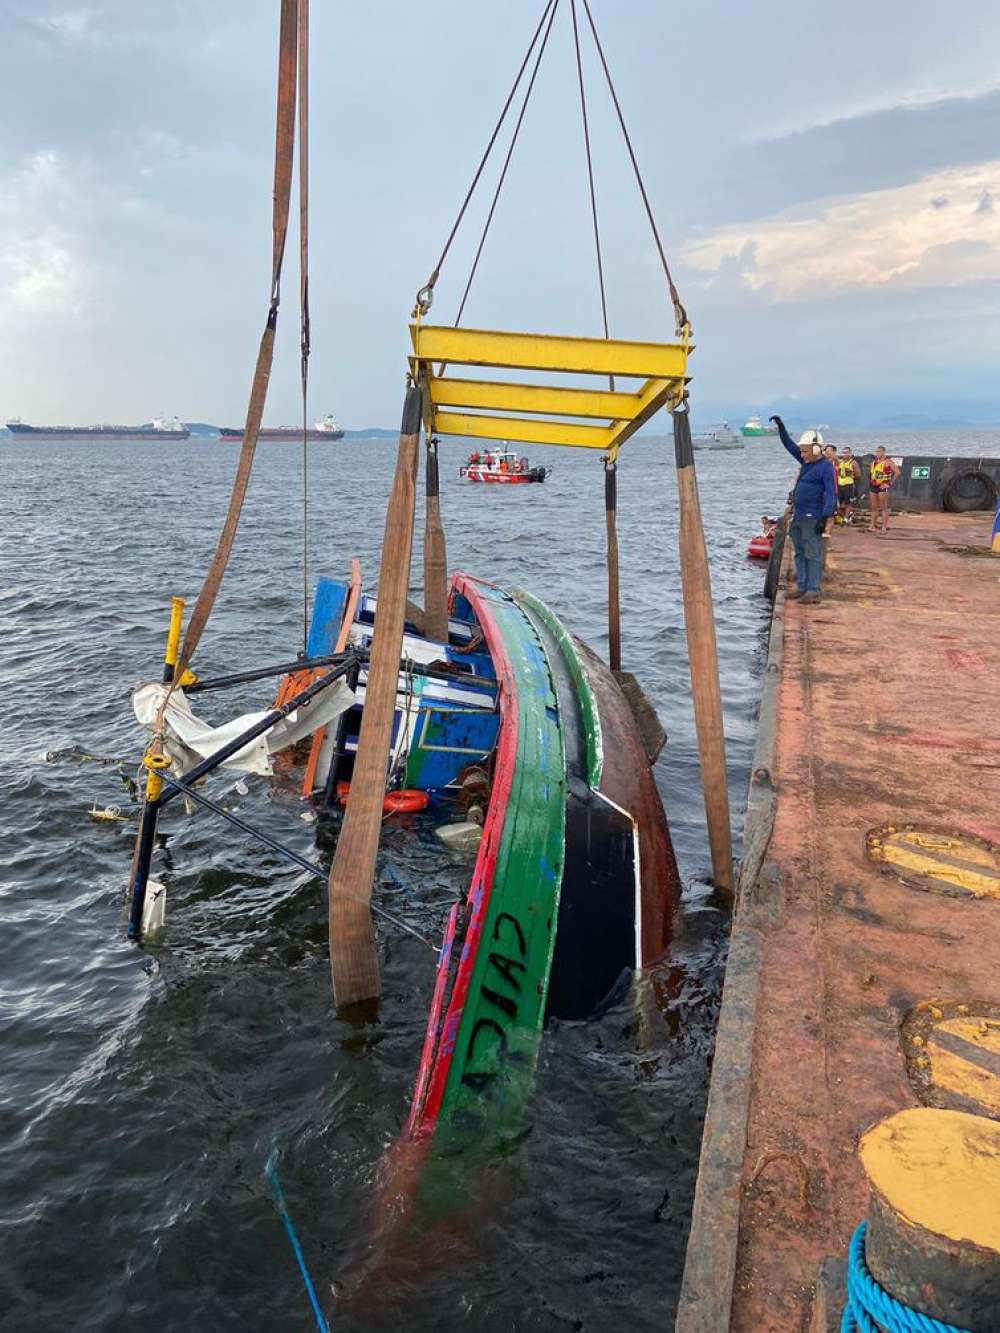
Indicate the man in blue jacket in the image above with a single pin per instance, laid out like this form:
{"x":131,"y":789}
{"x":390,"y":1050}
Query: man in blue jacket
{"x":813,"y":502}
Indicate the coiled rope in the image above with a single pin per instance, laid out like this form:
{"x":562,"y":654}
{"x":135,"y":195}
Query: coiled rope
{"x":870,"y":1307}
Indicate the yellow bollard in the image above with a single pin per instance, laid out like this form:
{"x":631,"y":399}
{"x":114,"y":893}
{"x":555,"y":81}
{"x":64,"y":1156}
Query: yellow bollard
{"x":154,"y":765}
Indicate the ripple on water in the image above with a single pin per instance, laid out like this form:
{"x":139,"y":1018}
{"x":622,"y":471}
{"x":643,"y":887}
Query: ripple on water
{"x":141,"y":1093}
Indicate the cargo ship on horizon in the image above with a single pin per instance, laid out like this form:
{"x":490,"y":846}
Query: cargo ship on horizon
{"x":327,"y":429}
{"x":160,"y":428}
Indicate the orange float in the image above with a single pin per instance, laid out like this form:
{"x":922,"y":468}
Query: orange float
{"x":406,"y":801}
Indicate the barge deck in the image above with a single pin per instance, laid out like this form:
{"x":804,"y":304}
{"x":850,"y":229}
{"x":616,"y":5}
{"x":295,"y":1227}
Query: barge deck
{"x":862,"y":974}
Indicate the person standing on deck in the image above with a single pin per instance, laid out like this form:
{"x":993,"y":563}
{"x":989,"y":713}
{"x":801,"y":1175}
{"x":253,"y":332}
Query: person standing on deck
{"x":848,"y":476}
{"x":830,"y":454}
{"x":813,"y":502}
{"x":882,"y":473}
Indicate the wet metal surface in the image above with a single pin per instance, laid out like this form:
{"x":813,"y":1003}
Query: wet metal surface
{"x":879,"y":687}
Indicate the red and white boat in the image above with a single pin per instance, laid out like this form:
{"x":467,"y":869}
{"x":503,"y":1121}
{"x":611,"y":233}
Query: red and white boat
{"x":761,"y":543}
{"x":502,"y":466}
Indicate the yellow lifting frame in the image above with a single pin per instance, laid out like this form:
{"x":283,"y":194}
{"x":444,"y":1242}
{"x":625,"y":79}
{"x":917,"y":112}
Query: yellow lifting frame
{"x":662,"y":367}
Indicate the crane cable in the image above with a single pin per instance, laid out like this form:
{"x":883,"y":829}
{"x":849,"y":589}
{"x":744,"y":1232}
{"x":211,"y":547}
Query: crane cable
{"x":425,"y":295}
{"x":551,"y":11}
{"x":680,"y":314}
{"x":590,"y":177}
{"x":303,"y":98}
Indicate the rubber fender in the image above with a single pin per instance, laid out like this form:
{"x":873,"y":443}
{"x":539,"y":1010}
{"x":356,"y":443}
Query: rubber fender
{"x":969,"y":490}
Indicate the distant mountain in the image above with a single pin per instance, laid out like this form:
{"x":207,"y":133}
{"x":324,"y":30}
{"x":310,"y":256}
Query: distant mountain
{"x":892,"y":412}
{"x":202,"y":428}
{"x":371,"y":433}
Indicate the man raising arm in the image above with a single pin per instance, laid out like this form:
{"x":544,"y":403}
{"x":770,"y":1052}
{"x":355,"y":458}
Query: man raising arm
{"x":813,"y":502}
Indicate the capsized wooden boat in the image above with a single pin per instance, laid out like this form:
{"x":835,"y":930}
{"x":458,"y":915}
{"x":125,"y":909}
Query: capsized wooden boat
{"x":574,"y":883}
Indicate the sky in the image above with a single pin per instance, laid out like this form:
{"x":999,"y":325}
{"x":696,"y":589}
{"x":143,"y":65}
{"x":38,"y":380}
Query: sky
{"x":826,"y":180}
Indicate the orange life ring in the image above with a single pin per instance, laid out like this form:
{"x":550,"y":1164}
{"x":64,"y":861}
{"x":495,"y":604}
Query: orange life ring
{"x":406,"y":801}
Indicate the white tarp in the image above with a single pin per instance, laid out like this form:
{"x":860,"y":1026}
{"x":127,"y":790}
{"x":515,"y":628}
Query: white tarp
{"x":187,"y":740}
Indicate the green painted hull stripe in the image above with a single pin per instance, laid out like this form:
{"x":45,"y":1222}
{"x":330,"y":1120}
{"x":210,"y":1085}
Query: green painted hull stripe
{"x":496,"y":1047}
{"x":589,"y":712}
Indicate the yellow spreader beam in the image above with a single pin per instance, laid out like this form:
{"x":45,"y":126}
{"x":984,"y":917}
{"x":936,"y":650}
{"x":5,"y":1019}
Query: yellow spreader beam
{"x":499,"y":410}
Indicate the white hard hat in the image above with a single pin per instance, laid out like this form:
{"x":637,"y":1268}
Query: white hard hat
{"x":810,"y":437}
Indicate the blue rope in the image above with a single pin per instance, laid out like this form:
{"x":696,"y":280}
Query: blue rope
{"x":870,"y":1308}
{"x":271,"y":1171}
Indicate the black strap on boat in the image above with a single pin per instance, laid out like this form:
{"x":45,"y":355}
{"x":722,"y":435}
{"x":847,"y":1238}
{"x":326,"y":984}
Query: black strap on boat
{"x":284,"y":149}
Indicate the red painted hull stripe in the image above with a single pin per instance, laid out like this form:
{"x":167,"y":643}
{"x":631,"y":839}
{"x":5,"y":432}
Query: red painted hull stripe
{"x":424,"y":1115}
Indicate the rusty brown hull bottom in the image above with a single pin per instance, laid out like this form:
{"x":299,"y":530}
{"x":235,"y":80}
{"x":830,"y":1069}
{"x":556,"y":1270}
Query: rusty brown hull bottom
{"x":881,"y":710}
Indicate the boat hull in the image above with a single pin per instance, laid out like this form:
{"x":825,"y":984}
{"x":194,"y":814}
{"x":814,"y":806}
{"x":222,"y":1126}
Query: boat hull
{"x":95,"y":433}
{"x":752,"y":432}
{"x":276,"y":433}
{"x":575,"y":884}
{"x":503,"y":478}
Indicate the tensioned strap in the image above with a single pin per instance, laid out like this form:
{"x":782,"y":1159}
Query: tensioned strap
{"x":304,"y":297}
{"x":284,"y":149}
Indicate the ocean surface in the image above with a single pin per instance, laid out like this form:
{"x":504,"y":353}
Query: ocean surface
{"x":142,"y":1091}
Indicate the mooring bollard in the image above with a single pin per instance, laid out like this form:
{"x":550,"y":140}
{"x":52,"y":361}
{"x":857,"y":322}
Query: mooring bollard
{"x":929,"y":1255}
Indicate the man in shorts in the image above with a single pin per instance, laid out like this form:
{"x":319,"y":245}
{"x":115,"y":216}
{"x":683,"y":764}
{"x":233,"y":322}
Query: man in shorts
{"x":882,"y":473}
{"x":848,"y":476}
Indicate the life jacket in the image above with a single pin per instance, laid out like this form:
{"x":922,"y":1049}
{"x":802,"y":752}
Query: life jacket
{"x":845,"y":471}
{"x":881,"y":473}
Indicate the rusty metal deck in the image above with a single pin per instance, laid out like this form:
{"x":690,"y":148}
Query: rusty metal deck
{"x":863,"y":970}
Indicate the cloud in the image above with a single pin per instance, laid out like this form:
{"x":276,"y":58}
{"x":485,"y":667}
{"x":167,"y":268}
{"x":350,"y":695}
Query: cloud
{"x":905,"y":100}
{"x":42,"y":269}
{"x":934,"y":232}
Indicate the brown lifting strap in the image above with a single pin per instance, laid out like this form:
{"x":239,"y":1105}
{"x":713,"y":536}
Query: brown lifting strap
{"x":284,"y":150}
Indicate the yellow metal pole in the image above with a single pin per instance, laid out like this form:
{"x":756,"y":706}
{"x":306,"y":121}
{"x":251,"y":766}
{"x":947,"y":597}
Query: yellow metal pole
{"x":173,"y":639}
{"x":699,"y":625}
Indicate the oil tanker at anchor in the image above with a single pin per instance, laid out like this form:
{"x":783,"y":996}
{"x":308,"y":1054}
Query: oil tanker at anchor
{"x":327,"y":429}
{"x":160,"y":428}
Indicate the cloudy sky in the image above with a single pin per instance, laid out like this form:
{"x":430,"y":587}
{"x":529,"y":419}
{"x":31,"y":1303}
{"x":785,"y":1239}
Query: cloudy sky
{"x":826,"y":178}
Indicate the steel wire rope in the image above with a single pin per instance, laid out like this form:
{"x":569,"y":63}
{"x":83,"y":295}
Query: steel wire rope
{"x":304,"y":339}
{"x":680,"y":314}
{"x":507,"y":159}
{"x":590,"y":176}
{"x":426,"y":293}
